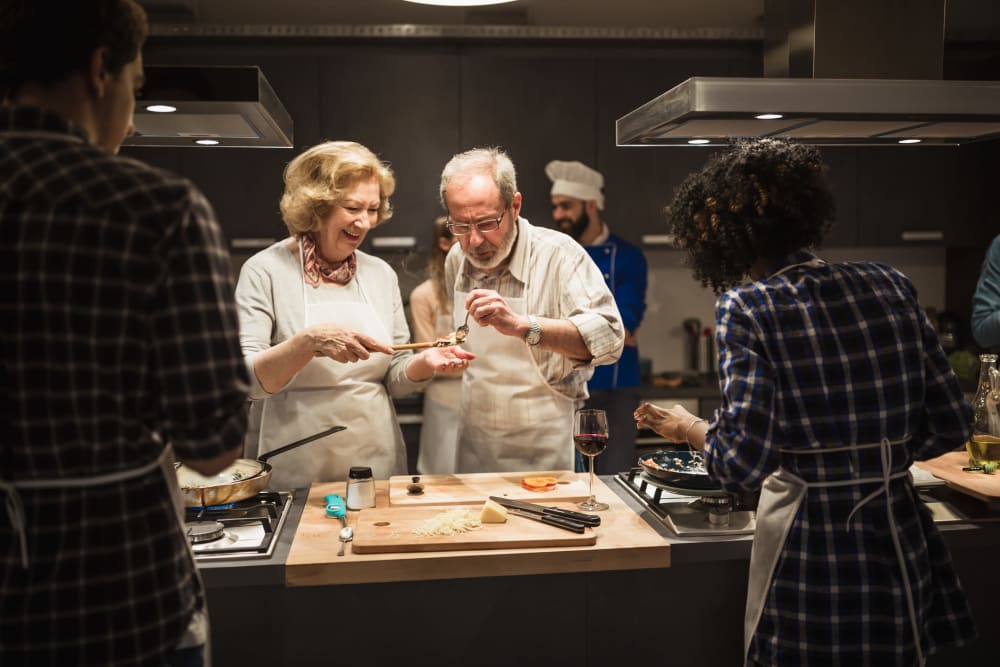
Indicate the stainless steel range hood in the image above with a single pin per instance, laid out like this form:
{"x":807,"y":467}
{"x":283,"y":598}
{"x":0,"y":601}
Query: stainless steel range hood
{"x":839,"y":72}
{"x":213,"y":106}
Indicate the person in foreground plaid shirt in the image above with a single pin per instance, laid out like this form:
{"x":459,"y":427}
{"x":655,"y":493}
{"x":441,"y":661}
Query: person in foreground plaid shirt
{"x":120,"y":340}
{"x":833,"y":382}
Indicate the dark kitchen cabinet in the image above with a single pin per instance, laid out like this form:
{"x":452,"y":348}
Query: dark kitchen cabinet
{"x":537,"y":104}
{"x":913,"y":196}
{"x":640,"y":181}
{"x":403,"y":103}
{"x":842,"y":166}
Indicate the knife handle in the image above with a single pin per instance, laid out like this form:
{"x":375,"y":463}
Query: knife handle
{"x":560,"y":522}
{"x":578,"y":517}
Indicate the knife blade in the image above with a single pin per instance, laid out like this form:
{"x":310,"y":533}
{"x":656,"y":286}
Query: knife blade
{"x":557,"y":521}
{"x":577,"y":517}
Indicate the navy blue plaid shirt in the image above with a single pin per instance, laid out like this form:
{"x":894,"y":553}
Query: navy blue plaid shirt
{"x":119,"y":333}
{"x":826,"y":356}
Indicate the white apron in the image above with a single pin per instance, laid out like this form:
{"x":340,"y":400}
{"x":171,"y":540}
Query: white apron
{"x":327,"y":393}
{"x":512,"y":420}
{"x":442,"y":415}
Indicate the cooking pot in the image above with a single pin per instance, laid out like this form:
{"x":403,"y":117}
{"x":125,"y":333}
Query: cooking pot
{"x":680,"y":470}
{"x":240,"y":480}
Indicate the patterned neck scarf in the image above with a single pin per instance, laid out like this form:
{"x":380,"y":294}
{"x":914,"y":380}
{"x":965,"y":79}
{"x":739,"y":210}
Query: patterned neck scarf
{"x":318,"y":270}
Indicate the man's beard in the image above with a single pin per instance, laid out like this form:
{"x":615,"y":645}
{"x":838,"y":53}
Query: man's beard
{"x":501,"y":254}
{"x":577,"y":227}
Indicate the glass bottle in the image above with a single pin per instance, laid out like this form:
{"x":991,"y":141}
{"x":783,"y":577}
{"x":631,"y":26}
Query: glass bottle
{"x":984,"y":446}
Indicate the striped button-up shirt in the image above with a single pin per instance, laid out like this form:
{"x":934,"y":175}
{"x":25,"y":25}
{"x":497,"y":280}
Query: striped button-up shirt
{"x":821,"y":356}
{"x":119,"y":333}
{"x":558,"y":280}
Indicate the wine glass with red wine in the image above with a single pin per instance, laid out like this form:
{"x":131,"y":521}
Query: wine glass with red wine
{"x":590,"y":435}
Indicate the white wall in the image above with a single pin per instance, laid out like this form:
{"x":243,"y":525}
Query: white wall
{"x":673,"y":294}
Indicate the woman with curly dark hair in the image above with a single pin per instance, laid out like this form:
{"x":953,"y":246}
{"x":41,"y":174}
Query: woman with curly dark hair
{"x":833,"y":382}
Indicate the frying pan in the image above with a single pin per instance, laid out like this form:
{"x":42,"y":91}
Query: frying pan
{"x":242,"y":479}
{"x":672,"y":468}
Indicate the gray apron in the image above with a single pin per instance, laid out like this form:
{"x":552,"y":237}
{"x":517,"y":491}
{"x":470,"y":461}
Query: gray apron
{"x":780,"y":499}
{"x":197,"y":633}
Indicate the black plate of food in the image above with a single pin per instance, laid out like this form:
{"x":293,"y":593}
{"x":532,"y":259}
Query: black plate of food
{"x":681,"y":469}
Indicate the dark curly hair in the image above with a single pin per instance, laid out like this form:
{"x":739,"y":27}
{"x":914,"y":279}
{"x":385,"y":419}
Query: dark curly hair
{"x":762,"y":198}
{"x":45,"y":41}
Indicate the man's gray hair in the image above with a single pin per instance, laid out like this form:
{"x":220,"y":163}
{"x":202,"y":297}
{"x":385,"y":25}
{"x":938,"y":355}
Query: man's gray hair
{"x":490,"y":160}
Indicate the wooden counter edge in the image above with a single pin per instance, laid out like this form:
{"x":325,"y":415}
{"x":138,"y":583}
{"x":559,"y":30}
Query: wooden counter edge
{"x":625,"y":542}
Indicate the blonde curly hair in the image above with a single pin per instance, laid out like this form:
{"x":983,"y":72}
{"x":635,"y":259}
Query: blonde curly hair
{"x":319,"y":177}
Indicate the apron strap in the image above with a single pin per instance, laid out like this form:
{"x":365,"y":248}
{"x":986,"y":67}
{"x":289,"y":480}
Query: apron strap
{"x":885,"y":451}
{"x":15,"y":507}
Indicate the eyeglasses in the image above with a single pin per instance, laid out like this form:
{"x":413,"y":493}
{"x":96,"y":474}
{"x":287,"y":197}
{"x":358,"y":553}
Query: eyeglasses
{"x":463,"y":228}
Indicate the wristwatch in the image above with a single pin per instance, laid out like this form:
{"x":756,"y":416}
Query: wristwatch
{"x":534,"y":334}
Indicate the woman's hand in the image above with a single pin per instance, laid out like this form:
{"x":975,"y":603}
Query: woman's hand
{"x":671,"y":423}
{"x":436,"y":359}
{"x":343,"y":345}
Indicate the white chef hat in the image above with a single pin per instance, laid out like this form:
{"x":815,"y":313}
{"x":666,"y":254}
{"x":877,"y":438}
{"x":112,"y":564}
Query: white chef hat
{"x":575,"y":179}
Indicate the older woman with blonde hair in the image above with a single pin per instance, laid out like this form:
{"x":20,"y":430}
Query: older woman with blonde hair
{"x":318,"y":319}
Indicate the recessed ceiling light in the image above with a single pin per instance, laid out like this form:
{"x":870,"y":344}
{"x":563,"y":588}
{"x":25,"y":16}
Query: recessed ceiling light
{"x":909,"y":141}
{"x":206,"y":142}
{"x":768,"y":116}
{"x":697,"y":141}
{"x":460,"y":3}
{"x":161,"y":108}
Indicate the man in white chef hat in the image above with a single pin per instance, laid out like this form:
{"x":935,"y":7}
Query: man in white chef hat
{"x":577,"y":203}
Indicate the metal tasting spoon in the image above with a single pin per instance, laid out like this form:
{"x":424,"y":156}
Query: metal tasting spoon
{"x":346,"y":535}
{"x":462,"y":331}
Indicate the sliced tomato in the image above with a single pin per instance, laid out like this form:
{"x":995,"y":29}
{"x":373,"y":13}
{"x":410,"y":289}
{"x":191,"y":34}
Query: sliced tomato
{"x":539,"y":483}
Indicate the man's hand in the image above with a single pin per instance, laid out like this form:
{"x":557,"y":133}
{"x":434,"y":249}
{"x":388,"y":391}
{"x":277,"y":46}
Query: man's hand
{"x":489,"y":309}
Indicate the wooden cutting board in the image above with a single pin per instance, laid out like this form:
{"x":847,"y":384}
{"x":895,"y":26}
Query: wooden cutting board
{"x":391,"y":531}
{"x":949,"y":468}
{"x":476,"y":487}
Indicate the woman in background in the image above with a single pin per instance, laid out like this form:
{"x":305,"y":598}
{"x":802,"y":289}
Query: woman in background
{"x":430,"y":311}
{"x":318,"y":318}
{"x":833,"y":382}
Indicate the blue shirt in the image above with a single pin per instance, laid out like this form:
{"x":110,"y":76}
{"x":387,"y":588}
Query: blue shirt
{"x":624,"y":269}
{"x":986,"y":300}
{"x":825,"y":356}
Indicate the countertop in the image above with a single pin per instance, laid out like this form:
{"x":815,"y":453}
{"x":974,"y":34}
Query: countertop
{"x":625,"y":541}
{"x":634,"y":538}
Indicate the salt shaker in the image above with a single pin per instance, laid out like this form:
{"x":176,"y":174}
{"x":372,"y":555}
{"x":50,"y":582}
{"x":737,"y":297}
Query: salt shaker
{"x":360,"y":488}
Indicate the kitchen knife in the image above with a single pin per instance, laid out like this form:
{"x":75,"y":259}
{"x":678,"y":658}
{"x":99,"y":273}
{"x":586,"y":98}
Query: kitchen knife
{"x":576,"y":517}
{"x":557,"y":521}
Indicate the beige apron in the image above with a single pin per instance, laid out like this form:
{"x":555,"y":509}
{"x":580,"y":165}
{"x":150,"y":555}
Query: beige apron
{"x":442,"y":415}
{"x":197,"y":633}
{"x":780,"y":499}
{"x":512,"y":420}
{"x":326,"y":393}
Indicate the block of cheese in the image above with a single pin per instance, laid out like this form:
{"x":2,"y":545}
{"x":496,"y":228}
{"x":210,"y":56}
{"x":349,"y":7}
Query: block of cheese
{"x":493,"y":512}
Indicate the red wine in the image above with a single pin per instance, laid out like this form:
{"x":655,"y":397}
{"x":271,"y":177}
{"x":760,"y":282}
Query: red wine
{"x":590,"y":444}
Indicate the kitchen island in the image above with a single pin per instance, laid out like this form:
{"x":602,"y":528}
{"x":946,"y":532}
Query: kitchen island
{"x":660,"y":599}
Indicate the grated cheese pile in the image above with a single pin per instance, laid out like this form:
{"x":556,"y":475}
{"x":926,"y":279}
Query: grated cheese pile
{"x":451,"y":522}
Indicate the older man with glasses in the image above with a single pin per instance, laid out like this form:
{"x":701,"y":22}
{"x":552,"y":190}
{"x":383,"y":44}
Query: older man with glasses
{"x":546,"y":319}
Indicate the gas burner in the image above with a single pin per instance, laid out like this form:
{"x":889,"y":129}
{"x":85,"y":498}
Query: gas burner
{"x":691,"y":511}
{"x":245,"y":529}
{"x":205,"y":531}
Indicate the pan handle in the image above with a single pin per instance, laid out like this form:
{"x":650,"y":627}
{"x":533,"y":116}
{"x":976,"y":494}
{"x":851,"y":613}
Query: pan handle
{"x":297,"y":443}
